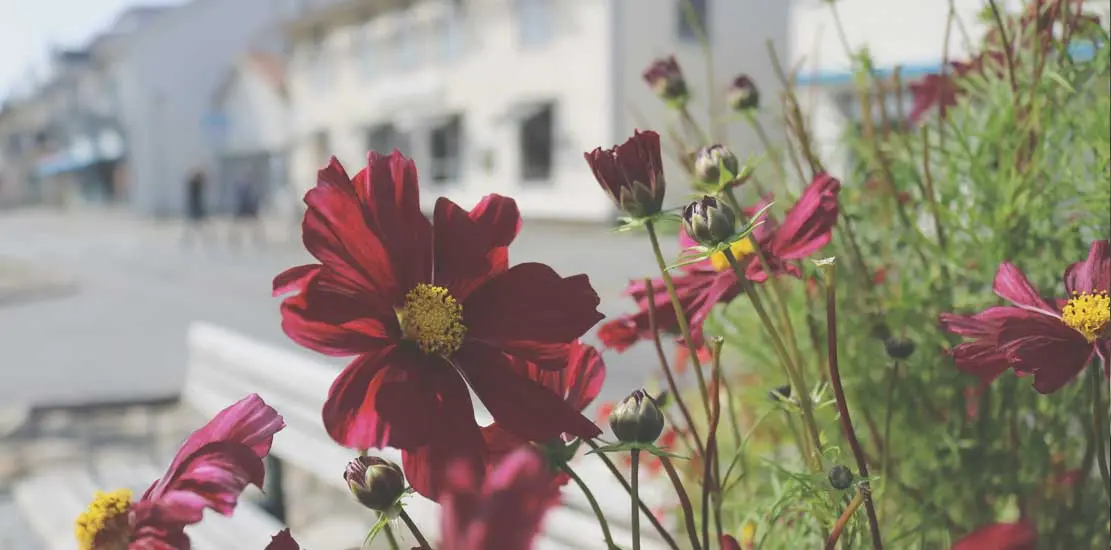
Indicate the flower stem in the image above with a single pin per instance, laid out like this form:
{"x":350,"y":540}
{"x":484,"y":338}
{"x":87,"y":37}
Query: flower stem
{"x":423,"y":542}
{"x":390,"y":537}
{"x":1099,"y":412}
{"x":710,"y":480}
{"x":680,"y":315}
{"x":843,"y":406}
{"x":853,"y":506}
{"x":643,"y":507}
{"x":653,"y":327}
{"x":766,"y":141}
{"x":885,"y":460}
{"x":593,"y":506}
{"x":684,"y":501}
{"x":634,"y":479}
{"x":781,"y":349}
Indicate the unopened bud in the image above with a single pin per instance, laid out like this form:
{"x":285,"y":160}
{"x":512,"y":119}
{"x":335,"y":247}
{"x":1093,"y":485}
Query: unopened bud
{"x":637,"y":419}
{"x":840,"y":477}
{"x":709,"y":162}
{"x":709,"y":221}
{"x":898,"y":348}
{"x":377,"y":483}
{"x":782,"y":393}
{"x":666,"y":80}
{"x":742,"y":94}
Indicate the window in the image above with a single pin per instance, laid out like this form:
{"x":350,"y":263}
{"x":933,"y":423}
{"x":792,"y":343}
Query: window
{"x":535,"y":20}
{"x":685,"y":9}
{"x":384,"y":138}
{"x":537,"y":138}
{"x":446,"y":146}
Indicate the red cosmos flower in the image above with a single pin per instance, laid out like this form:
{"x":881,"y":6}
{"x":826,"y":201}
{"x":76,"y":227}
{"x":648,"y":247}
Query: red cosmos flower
{"x":210,"y":470}
{"x":504,"y":511}
{"x":806,"y":228}
{"x":1052,"y":339}
{"x":1000,"y":536}
{"x":429,"y":308}
{"x":578,"y":384}
{"x":631,"y":174}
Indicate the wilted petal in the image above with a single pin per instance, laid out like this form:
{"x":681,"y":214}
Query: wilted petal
{"x":1093,"y":274}
{"x":211,"y":477}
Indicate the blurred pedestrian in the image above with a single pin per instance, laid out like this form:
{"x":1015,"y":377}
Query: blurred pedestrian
{"x":196,"y":211}
{"x":248,"y":199}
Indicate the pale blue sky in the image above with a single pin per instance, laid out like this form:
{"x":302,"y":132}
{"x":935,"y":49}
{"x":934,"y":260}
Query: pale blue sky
{"x":28,"y":27}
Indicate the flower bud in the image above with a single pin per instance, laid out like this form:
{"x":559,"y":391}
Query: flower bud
{"x":742,"y":94}
{"x":841,"y":477}
{"x":710,"y":160}
{"x":898,"y":348}
{"x":375,"y":482}
{"x":709,"y":221}
{"x":637,"y":419}
{"x":666,"y":80}
{"x":782,"y":393}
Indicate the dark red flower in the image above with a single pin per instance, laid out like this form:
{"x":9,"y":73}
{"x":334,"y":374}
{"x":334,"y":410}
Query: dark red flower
{"x":429,"y":308}
{"x":283,"y":541}
{"x":631,"y":174}
{"x":1052,"y":339}
{"x":806,"y":228}
{"x":210,"y":470}
{"x":504,"y":511}
{"x":932,"y":91}
{"x":578,"y":385}
{"x":666,"y":80}
{"x":1000,"y":536}
{"x":729,"y":543}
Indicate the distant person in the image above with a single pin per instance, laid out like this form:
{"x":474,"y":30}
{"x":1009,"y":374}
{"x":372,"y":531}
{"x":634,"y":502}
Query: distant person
{"x":196,"y":212}
{"x":248,"y":202}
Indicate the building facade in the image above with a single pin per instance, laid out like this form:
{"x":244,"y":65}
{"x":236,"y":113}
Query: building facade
{"x":505,"y":96}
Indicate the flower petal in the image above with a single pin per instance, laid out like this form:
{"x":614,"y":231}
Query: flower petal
{"x":333,"y":324}
{"x":283,"y":541}
{"x":619,"y":334}
{"x":583,"y":377}
{"x":472,"y":247}
{"x":499,"y":443}
{"x":294,"y":278}
{"x":249,"y":422}
{"x":390,"y":193}
{"x":1093,"y":274}
{"x":807,"y":226}
{"x":390,"y":398}
{"x":982,"y":357}
{"x":455,"y":437}
{"x":1011,"y":284}
{"x":1042,"y":345}
{"x":159,"y":537}
{"x":335,"y":231}
{"x":729,"y":543}
{"x":523,"y":406}
{"x":530,"y":307}
{"x":211,"y":477}
{"x":1000,"y":536}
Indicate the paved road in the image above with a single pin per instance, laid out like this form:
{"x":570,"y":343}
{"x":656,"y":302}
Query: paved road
{"x":121,"y":336}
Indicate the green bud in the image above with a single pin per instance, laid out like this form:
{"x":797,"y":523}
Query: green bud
{"x":637,"y":419}
{"x":709,"y":162}
{"x":709,"y":221}
{"x":840,"y":477}
{"x":377,"y":483}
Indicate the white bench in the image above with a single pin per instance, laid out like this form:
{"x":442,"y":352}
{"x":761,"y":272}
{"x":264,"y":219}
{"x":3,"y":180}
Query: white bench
{"x":225,"y":366}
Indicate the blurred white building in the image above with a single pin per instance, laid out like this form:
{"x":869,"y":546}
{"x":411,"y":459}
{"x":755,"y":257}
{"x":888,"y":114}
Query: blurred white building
{"x":505,"y":96}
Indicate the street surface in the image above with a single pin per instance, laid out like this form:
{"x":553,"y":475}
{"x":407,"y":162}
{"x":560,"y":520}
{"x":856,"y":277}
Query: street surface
{"x":119,"y":333}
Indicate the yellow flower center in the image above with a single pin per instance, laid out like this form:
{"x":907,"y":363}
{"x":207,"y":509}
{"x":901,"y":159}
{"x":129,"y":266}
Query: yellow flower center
{"x":748,"y":534}
{"x":1089,"y":313}
{"x":740,"y":249}
{"x":432,"y":319}
{"x":103,"y":525}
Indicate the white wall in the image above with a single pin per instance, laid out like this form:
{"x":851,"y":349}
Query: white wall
{"x":171,"y":68}
{"x":257,"y":117}
{"x":492,"y":73}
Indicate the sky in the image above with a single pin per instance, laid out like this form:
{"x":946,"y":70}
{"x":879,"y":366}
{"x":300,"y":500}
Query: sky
{"x":29,"y":27}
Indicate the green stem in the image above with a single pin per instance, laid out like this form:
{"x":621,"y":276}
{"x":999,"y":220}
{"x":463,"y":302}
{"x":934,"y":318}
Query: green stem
{"x":684,"y":501}
{"x":654,"y":329}
{"x":766,"y":141}
{"x":634,"y":479}
{"x":423,"y":542}
{"x":593,"y":506}
{"x":885,"y":459}
{"x":1099,"y":411}
{"x":390,"y":537}
{"x":680,"y":316}
{"x":628,"y":489}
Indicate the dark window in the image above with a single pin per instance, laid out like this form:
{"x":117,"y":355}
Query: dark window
{"x":384,"y":138}
{"x":688,"y":29}
{"x":538,"y":144}
{"x":446,"y":145}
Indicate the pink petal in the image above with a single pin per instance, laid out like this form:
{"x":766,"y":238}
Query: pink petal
{"x":1000,"y":536}
{"x":523,"y":406}
{"x":1093,"y":274}
{"x":211,"y":477}
{"x":294,"y":278}
{"x":1042,"y":345}
{"x":807,"y":225}
{"x":532,"y":312}
{"x":148,"y":537}
{"x":1011,"y":284}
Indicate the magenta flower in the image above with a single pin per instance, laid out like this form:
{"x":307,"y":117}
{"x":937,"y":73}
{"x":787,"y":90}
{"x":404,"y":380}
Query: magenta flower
{"x":210,"y":470}
{"x":504,"y":511}
{"x":1020,"y":535}
{"x":1052,"y":339}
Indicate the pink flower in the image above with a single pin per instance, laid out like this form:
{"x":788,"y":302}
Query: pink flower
{"x":1052,"y":339}
{"x":1000,"y":536}
{"x":504,"y":511}
{"x":210,"y":470}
